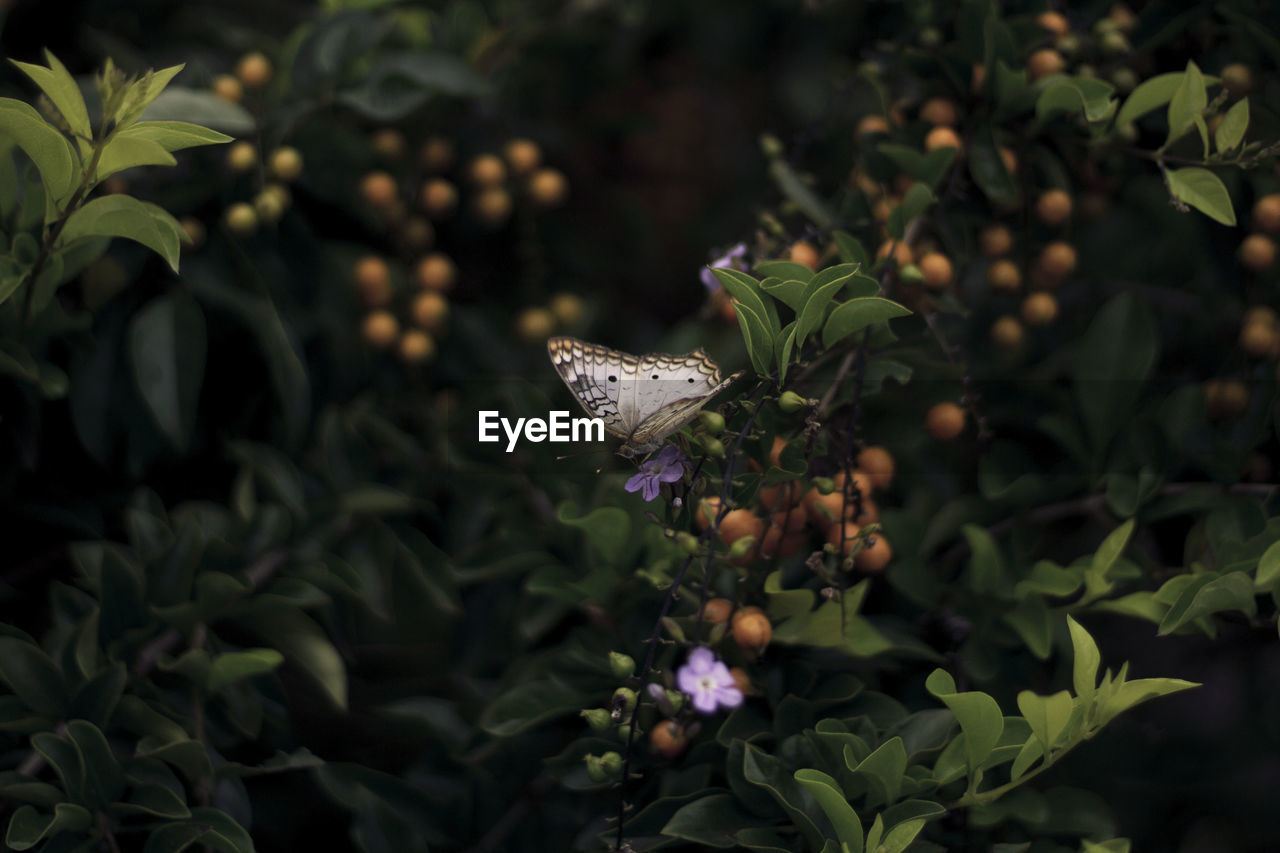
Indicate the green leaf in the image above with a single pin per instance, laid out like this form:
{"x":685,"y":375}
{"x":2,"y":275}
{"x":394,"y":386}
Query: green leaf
{"x":743,"y":288}
{"x":883,"y":769}
{"x":61,"y":89}
{"x":1204,"y":191}
{"x":152,"y":800}
{"x":125,"y":152}
{"x":1230,"y":132}
{"x":979,"y":716}
{"x":785,"y":270}
{"x":1031,"y":752}
{"x":1034,"y":624}
{"x":1111,"y":362}
{"x":829,"y":796}
{"x":786,"y":343}
{"x":28,"y":827}
{"x":174,"y":837}
{"x":528,"y":704}
{"x":167,"y":351}
{"x":767,"y":772}
{"x":799,"y":193}
{"x":234,"y":666}
{"x":305,"y":644}
{"x":1076,"y":95}
{"x":65,"y":760}
{"x":48,"y":149}
{"x":1084,"y":669}
{"x":916,"y":201}
{"x":104,"y":778}
{"x":125,"y":216}
{"x":851,"y":251}
{"x":1267,"y":575}
{"x":856,"y":314}
{"x":755,"y":334}
{"x":32,"y":676}
{"x":1047,"y":715}
{"x":986,"y":566}
{"x":177,"y":104}
{"x":607,"y":529}
{"x":1187,"y":103}
{"x":397,"y":84}
{"x":810,"y":317}
{"x":713,"y":821}
{"x":1135,"y":692}
{"x":173,"y":135}
{"x":187,"y":755}
{"x":1232,"y":591}
{"x":790,"y":293}
{"x":1149,"y":95}
{"x":987,"y":167}
{"x":1096,"y":580}
{"x":904,"y":157}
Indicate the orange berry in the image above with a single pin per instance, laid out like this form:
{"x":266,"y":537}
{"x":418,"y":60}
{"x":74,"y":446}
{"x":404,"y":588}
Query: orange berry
{"x":1007,"y":332}
{"x":568,"y":308}
{"x":738,"y":523}
{"x":843,"y":535}
{"x":668,"y":739}
{"x":1266,"y":213}
{"x":228,"y":88}
{"x":940,"y":112}
{"x":487,"y":170}
{"x":416,"y":347}
{"x":708,"y":509}
{"x":1039,"y":309}
{"x":995,"y":240}
{"x":1261,"y":314}
{"x":1258,"y":338}
{"x":977,"y":77}
{"x":1225,"y":399}
{"x":1257,"y":252}
{"x":194,"y":231}
{"x":1237,"y":79}
{"x":436,"y":271}
{"x":942,"y":137}
{"x":254,"y":70}
{"x":877,"y":462}
{"x":438,"y":198}
{"x":548,"y":188}
{"x":1009,"y":159}
{"x":1054,"y":22}
{"x":775,"y":452}
{"x":870,"y":512}
{"x":804,"y":253}
{"x":861,"y":481}
{"x":492,"y":206}
{"x":875,"y":556}
{"x":388,"y":143}
{"x":717,"y":610}
{"x":902,"y":253}
{"x":779,"y":497}
{"x":240,"y":218}
{"x":1003,"y":275}
{"x":1054,"y":207}
{"x":534,"y":325}
{"x":242,"y":156}
{"x":378,"y":189}
{"x":1123,"y":18}
{"x":752,"y":630}
{"x":430,"y":310}
{"x":437,"y":154}
{"x":373,"y":280}
{"x":742,"y":681}
{"x":285,"y":163}
{"x":935,"y":267}
{"x":380,"y":329}
{"x":523,"y":156}
{"x":945,"y":421}
{"x":1058,"y":260}
{"x":785,"y":535}
{"x":1044,"y":62}
{"x":873,"y":124}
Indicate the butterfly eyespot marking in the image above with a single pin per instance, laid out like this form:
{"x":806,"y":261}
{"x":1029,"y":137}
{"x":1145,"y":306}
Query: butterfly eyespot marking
{"x":655,"y":376}
{"x":690,"y":380}
{"x":613,"y":379}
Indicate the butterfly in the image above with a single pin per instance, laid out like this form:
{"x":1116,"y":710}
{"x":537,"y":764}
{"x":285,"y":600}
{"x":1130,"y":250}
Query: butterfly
{"x":641,"y":398}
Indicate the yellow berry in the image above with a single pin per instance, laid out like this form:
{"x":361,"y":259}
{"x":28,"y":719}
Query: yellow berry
{"x":487,"y":170}
{"x":380,"y":329}
{"x":242,"y":156}
{"x":1007,"y":332}
{"x":430,"y":310}
{"x":1039,"y":309}
{"x":285,"y":163}
{"x":416,"y":347}
{"x":548,"y":188}
{"x":523,"y":156}
{"x":228,"y":88}
{"x":1054,"y":207}
{"x":936,"y":269}
{"x":1003,"y":275}
{"x":254,"y":70}
{"x":436,"y":271}
{"x":378,"y":189}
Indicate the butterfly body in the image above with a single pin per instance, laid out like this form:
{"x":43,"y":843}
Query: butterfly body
{"x":642,"y":399}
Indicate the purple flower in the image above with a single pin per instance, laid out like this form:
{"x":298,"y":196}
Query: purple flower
{"x":666,"y":467}
{"x":733,"y":258}
{"x":707,"y":682}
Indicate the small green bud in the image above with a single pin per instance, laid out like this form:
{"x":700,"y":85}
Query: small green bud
{"x":791,"y":402}
{"x":824,"y":485}
{"x":1115,"y":43}
{"x":742,"y":547}
{"x":597,"y":718}
{"x":624,"y":698}
{"x":612,"y":763}
{"x":1124,"y":79}
{"x":771,"y":146}
{"x":714,"y":448}
{"x":911,"y":274}
{"x":622,"y":666}
{"x":595,"y":768}
{"x":1068,"y":44}
{"x":1104,"y":26}
{"x":624,"y":732}
{"x":712,"y":422}
{"x":676,"y":698}
{"x":687,"y":542}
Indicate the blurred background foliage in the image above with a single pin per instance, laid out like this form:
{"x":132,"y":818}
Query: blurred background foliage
{"x":295,"y":589}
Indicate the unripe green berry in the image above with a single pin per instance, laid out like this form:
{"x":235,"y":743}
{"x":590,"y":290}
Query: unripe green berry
{"x":791,"y":402}
{"x":676,"y":698}
{"x":911,"y":274}
{"x":742,"y":547}
{"x":824,"y":485}
{"x":612,"y":763}
{"x":714,"y":448}
{"x":687,"y":542}
{"x":712,"y":422}
{"x":595,"y":768}
{"x":622,"y":666}
{"x":597,"y":718}
{"x":624,"y":732}
{"x":624,"y":698}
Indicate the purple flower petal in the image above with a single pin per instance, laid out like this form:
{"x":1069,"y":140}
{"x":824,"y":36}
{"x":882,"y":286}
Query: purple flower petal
{"x":729,"y":697}
{"x":650,"y":488}
{"x":634,"y":484}
{"x":705,"y":701}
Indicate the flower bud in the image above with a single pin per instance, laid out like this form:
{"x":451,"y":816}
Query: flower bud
{"x":771,"y":146}
{"x":712,"y":422}
{"x":622,"y":666}
{"x":597,"y":718}
{"x":624,"y":699}
{"x":791,"y":402}
{"x":612,"y":763}
{"x":714,"y":448}
{"x":595,"y":768}
{"x":676,"y":700}
{"x":661,"y":699}
{"x":624,"y":732}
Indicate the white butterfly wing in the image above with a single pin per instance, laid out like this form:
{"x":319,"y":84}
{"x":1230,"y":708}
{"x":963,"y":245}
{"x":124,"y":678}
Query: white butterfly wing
{"x":643,"y":399}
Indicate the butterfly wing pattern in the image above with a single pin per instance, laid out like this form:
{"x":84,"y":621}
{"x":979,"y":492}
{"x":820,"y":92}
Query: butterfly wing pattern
{"x":641,"y":399}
